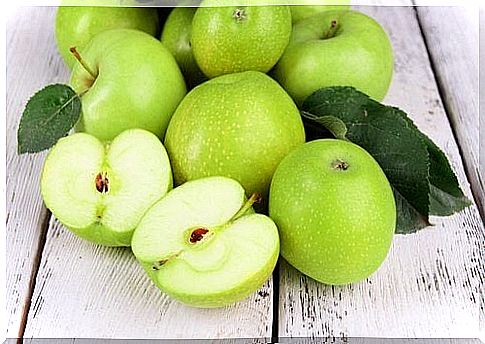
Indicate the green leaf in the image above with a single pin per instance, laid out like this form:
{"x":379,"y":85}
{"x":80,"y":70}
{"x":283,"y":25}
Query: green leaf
{"x":48,"y":116}
{"x":446,"y":197}
{"x":334,"y":125}
{"x":409,"y":220}
{"x":422,"y":179}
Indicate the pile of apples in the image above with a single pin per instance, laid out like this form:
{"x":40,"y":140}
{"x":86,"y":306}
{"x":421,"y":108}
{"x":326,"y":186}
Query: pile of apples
{"x":234,"y":140}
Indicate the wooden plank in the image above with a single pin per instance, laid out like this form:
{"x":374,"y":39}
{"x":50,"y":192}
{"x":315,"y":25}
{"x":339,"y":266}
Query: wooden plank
{"x":481,"y":147}
{"x":355,"y":340}
{"x":31,"y":63}
{"x":429,"y":284}
{"x":86,"y":291}
{"x":451,"y":35}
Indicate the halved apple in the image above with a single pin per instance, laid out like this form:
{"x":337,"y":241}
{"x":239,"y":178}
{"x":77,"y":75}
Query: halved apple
{"x":100,"y":192}
{"x":203,"y":244}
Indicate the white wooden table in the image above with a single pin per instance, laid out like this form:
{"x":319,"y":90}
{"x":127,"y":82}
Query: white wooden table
{"x":431,"y":285}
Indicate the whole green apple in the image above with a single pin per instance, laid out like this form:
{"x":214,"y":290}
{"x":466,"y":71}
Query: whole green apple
{"x":101,"y":191}
{"x":131,"y":81}
{"x":336,"y":48}
{"x":231,"y":39}
{"x":308,"y":8}
{"x":176,"y":37}
{"x":334,"y":209}
{"x":238,"y":126}
{"x":195,"y":243}
{"x":76,"y":26}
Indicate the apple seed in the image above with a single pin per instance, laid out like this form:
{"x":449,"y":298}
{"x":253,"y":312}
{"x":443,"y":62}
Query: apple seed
{"x":197,"y":234}
{"x":102,"y":182}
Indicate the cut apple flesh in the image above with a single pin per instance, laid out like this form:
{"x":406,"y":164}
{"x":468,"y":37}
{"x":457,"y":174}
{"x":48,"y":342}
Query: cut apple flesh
{"x":197,"y":251}
{"x":100,"y":191}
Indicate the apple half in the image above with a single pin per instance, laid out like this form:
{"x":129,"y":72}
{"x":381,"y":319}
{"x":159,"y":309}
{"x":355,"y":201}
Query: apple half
{"x":100,"y":192}
{"x":203,"y":244}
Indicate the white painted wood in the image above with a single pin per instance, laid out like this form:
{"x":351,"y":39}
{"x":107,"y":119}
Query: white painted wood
{"x":429,"y":285}
{"x":31,"y":63}
{"x":86,"y":291}
{"x":369,"y":340}
{"x":425,"y":288}
{"x":451,"y":35}
{"x":481,"y":147}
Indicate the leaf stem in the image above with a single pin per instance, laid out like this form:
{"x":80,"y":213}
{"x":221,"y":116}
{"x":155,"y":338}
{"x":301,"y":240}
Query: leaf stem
{"x":83,"y":63}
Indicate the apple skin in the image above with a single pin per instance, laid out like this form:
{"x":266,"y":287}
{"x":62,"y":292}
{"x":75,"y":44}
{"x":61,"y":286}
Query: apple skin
{"x":335,"y":225}
{"x":139,"y":84}
{"x":358,"y":55}
{"x":176,"y":37}
{"x":238,"y":126}
{"x":76,"y":26}
{"x":307,"y":8}
{"x":231,"y":39}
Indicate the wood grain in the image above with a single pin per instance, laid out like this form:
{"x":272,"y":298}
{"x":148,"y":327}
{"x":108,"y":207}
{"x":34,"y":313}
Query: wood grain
{"x":428,"y":287}
{"x":429,"y":284}
{"x":32,"y":62}
{"x":481,"y":148}
{"x":87,"y":291}
{"x":451,"y":35}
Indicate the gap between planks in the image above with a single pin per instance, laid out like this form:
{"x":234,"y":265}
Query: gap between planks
{"x":453,"y":99}
{"x":432,"y":279}
{"x":33,"y":276}
{"x":43,"y":241}
{"x":26,"y":46}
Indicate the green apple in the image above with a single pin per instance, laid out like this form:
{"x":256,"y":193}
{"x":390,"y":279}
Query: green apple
{"x":176,"y":37}
{"x":336,"y":48}
{"x":204,"y":246}
{"x":308,"y":8}
{"x":76,"y":26}
{"x":231,"y":39}
{"x":100,"y":192}
{"x":128,"y":80}
{"x":335,"y":211}
{"x":238,"y":126}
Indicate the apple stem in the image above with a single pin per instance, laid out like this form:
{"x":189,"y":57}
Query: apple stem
{"x":332,"y":29}
{"x":83,"y":63}
{"x":82,"y":93}
{"x":255,"y":198}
